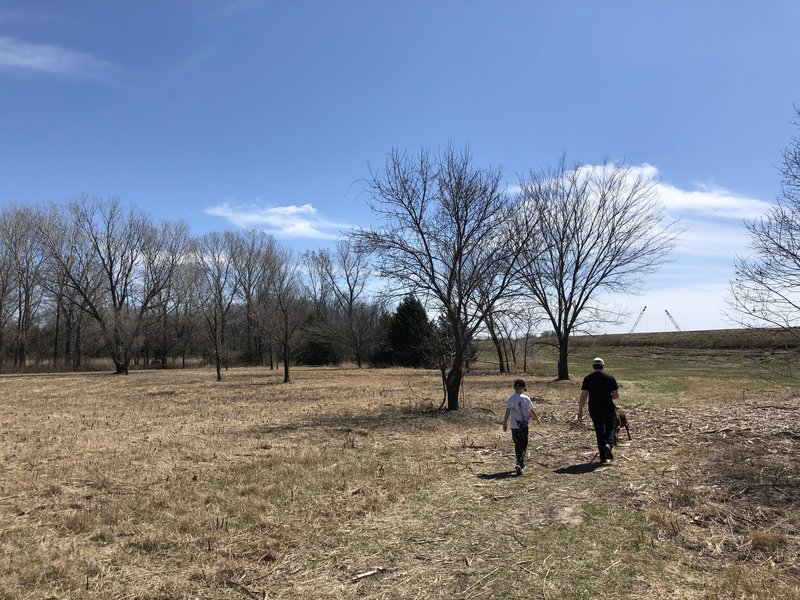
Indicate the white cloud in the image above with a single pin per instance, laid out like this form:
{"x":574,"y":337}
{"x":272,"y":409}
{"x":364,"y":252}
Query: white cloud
{"x":705,"y":201}
{"x":719,"y":203}
{"x":53,"y":60}
{"x":290,"y":221}
{"x":713,"y":239}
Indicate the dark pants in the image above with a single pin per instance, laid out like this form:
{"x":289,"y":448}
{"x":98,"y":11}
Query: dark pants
{"x":520,"y":437}
{"x":604,"y":430}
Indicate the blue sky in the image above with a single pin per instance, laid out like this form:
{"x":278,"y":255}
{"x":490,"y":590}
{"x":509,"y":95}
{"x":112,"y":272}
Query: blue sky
{"x":268,"y":114}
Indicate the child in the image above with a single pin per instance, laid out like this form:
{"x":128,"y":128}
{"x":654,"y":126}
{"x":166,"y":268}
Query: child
{"x":519,"y":408}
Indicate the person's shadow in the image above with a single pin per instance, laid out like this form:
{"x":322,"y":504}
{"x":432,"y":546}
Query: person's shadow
{"x":499,"y":475}
{"x":578,"y":469}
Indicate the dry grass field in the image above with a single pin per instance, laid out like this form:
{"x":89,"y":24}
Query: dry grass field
{"x":350,"y":483}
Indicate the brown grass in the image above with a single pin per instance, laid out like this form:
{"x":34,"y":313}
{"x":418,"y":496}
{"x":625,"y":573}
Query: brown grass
{"x":349,"y":483}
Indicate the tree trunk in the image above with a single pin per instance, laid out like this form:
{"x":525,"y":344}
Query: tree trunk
{"x":218,"y":362}
{"x":497,"y":346}
{"x":56,"y":333}
{"x":286,"y":364}
{"x":121,"y":366}
{"x":455,"y":378}
{"x":525,"y":355}
{"x":453,"y":385}
{"x":563,"y":358}
{"x":77,"y":362}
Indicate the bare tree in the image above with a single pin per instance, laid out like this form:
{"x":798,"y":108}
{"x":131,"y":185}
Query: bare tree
{"x":348,"y":273}
{"x":218,"y":286}
{"x":7,"y":282}
{"x":766,"y":287}
{"x":253,"y":258}
{"x":116,"y":262}
{"x":284,"y":291}
{"x":18,"y":232}
{"x":187,"y":314}
{"x":445,"y":237}
{"x":318,"y":263}
{"x":600,"y":229}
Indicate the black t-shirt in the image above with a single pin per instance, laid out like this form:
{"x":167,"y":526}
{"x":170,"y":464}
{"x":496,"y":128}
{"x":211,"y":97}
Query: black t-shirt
{"x":599,"y":384}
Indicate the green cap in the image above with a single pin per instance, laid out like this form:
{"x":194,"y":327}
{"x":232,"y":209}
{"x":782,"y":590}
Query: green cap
{"x":598,"y":361}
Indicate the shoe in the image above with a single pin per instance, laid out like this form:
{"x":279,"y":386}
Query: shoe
{"x":603,"y":463}
{"x":518,"y":470}
{"x":609,"y":454}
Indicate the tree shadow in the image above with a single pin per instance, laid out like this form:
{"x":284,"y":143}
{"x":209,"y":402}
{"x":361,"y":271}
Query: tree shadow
{"x":499,"y":475}
{"x":578,"y":469}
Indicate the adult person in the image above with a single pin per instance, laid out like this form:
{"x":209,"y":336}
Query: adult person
{"x":601,"y":389}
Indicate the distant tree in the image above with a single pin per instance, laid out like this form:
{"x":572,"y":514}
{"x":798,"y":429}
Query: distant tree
{"x":284,"y":291}
{"x":445,"y":235}
{"x":348,"y":273}
{"x":381,"y":354}
{"x":253,"y":256}
{"x":218,"y":286}
{"x":766,"y":287}
{"x":323,"y":341}
{"x":116,"y":261}
{"x":598,"y":229}
{"x":19,"y":235}
{"x":410,"y":334}
{"x":186,"y":322}
{"x":7,"y":282}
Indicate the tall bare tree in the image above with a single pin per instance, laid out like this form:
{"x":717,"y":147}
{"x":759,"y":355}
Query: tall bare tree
{"x":7,"y":282}
{"x":447,"y":238}
{"x":253,"y":256}
{"x":284,"y":291}
{"x":19,"y":235}
{"x":116,"y":261}
{"x":218,"y":286}
{"x":766,"y":287}
{"x":600,"y":229}
{"x":187,"y":316}
{"x":348,"y":273}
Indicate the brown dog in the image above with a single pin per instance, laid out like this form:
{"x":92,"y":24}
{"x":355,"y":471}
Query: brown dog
{"x":620,"y":420}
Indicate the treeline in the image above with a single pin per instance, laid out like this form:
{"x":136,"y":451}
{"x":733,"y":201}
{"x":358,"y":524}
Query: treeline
{"x":95,"y":279}
{"x":93,"y":276}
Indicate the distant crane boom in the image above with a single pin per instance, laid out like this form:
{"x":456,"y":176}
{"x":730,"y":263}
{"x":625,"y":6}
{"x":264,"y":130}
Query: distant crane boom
{"x":674,"y":322}
{"x":639,"y":318}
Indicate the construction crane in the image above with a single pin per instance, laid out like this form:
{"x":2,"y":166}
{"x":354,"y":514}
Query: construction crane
{"x":674,"y":322}
{"x":639,"y":318}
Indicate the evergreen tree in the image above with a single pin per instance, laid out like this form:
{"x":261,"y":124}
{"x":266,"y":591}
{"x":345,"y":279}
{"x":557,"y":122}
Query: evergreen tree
{"x":409,"y":334}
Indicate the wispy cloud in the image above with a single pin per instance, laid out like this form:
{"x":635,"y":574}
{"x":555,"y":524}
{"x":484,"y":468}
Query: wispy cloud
{"x":718,"y":203}
{"x":713,"y":238}
{"x":290,"y":221}
{"x":50,"y":60}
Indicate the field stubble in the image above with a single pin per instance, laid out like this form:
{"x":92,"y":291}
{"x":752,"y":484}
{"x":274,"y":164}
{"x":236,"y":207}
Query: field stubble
{"x":350,"y":483}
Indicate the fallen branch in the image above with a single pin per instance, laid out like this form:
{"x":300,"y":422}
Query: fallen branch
{"x":367,"y":574}
{"x":612,"y":565}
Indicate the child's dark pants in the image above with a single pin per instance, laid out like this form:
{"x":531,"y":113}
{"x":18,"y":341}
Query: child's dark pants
{"x":520,"y":437}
